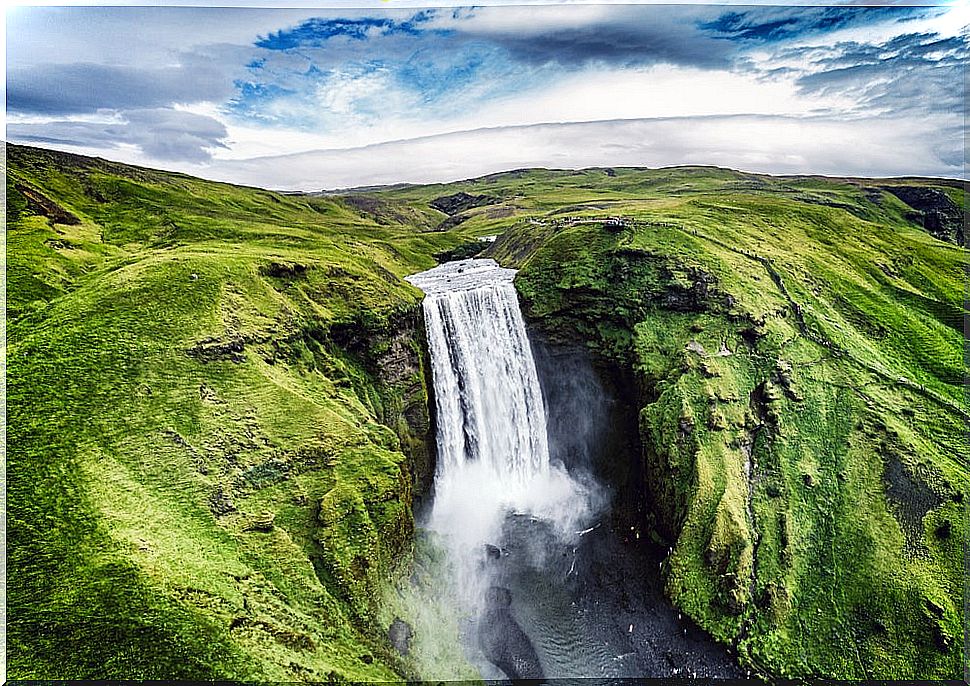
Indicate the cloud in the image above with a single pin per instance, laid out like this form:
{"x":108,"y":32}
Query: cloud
{"x":187,"y":87}
{"x":86,"y":87}
{"x":338,"y":73}
{"x":778,"y":24}
{"x":623,"y":45}
{"x":781,"y":145}
{"x":619,"y":36}
{"x":335,"y":74}
{"x":910,"y":73}
{"x":163,"y":134}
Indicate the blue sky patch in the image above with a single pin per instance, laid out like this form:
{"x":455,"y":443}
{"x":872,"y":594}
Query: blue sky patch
{"x":314,"y":33}
{"x":769,"y":25}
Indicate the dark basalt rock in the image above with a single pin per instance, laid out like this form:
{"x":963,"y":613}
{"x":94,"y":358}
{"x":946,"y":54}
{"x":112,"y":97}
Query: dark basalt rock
{"x":213,"y":349}
{"x":503,"y":641}
{"x":910,"y":497}
{"x":220,"y":503}
{"x":38,"y":203}
{"x":284,"y":270}
{"x":400,"y":634}
{"x":935,"y":211}
{"x":452,"y":221}
{"x":459,"y":202}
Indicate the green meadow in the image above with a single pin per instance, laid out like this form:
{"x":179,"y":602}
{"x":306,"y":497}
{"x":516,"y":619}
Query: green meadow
{"x":218,"y":409}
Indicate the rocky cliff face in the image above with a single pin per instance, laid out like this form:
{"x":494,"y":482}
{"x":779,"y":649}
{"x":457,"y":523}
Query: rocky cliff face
{"x":934,"y":210}
{"x":396,"y":356}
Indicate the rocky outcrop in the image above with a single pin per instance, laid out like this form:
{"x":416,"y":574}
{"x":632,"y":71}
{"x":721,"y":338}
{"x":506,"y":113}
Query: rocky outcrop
{"x":400,"y":634}
{"x":459,"y":202}
{"x":40,"y":204}
{"x":395,"y":353}
{"x":934,"y":211}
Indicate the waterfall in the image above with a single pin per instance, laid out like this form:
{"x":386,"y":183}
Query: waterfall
{"x":493,"y":454}
{"x":488,"y":399}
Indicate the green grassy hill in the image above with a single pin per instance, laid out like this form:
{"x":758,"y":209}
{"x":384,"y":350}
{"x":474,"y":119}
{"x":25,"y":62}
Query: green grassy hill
{"x":218,"y":417}
{"x":217,"y":414}
{"x":798,"y":349}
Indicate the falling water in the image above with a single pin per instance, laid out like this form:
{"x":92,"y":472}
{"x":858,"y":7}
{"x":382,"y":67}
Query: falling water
{"x":488,"y":399}
{"x":493,"y":454}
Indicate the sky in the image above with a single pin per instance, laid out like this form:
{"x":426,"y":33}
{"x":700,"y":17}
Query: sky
{"x":312,"y":98}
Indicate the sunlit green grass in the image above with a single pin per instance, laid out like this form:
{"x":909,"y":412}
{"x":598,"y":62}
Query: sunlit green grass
{"x":120,"y":438}
{"x":191,"y":360}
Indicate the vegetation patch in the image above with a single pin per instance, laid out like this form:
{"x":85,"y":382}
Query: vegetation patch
{"x":207,"y":479}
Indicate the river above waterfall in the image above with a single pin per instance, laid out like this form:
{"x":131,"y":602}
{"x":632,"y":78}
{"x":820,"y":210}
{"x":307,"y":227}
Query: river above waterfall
{"x":543,"y":584}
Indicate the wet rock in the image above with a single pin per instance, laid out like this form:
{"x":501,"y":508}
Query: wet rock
{"x":400,"y":634}
{"x":503,"y":641}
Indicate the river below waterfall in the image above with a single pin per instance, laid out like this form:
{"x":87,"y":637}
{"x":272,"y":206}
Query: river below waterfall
{"x":543,"y":584}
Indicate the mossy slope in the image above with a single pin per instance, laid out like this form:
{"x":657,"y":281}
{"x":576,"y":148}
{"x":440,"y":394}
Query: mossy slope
{"x":216,"y":409}
{"x":799,"y":351}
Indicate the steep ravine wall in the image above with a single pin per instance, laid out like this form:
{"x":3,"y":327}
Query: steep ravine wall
{"x":396,"y":384}
{"x":768,"y":463}
{"x":592,"y":424}
{"x":397,"y":357}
